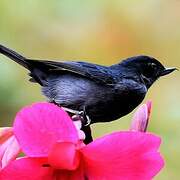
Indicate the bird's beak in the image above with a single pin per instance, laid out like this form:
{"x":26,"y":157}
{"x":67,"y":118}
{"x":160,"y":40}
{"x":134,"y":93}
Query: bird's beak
{"x":167,"y":71}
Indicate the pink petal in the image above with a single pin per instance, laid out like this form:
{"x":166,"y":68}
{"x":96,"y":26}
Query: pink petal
{"x":149,"y":107}
{"x":123,"y":155}
{"x":141,"y":117}
{"x":78,"y":125}
{"x":41,"y":125}
{"x":81,"y":135}
{"x":27,"y":169}
{"x":9,"y":151}
{"x":64,"y":155}
{"x":5,"y":133}
{"x":78,"y":174}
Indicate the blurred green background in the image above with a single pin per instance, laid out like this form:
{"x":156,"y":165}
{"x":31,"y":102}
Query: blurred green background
{"x":99,"y":31}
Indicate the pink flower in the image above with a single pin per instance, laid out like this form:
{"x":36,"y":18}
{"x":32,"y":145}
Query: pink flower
{"x":9,"y":147}
{"x":53,"y":150}
{"x":141,"y":117}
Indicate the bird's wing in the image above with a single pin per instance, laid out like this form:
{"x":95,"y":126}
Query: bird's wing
{"x":40,"y":70}
{"x":100,"y":74}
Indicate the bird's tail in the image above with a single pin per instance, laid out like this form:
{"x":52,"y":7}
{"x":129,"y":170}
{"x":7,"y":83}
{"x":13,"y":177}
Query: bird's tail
{"x":15,"y":56}
{"x":36,"y":68}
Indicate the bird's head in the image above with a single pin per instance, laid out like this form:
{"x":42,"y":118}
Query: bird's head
{"x":147,"y":69}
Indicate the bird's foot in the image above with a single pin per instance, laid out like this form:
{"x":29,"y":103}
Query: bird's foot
{"x":86,"y":118}
{"x":79,"y":115}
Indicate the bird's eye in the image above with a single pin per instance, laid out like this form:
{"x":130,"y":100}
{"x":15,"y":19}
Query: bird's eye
{"x":152,"y":65}
{"x":149,"y":70}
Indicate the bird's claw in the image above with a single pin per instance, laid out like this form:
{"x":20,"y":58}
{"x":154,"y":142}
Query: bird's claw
{"x":85,"y":117}
{"x":79,"y":115}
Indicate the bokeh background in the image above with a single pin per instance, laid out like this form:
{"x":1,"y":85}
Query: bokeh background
{"x":98,"y":31}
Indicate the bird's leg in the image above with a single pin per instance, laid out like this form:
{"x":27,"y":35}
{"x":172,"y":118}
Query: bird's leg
{"x":71,"y":111}
{"x":83,"y":117}
{"x":86,"y":129}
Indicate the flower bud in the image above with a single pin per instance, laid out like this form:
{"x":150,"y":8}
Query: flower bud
{"x":141,"y":117}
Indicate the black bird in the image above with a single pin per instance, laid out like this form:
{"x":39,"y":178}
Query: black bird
{"x":103,"y":93}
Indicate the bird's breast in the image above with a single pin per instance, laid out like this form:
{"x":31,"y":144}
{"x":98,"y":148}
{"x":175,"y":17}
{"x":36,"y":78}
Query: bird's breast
{"x":117,"y":101}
